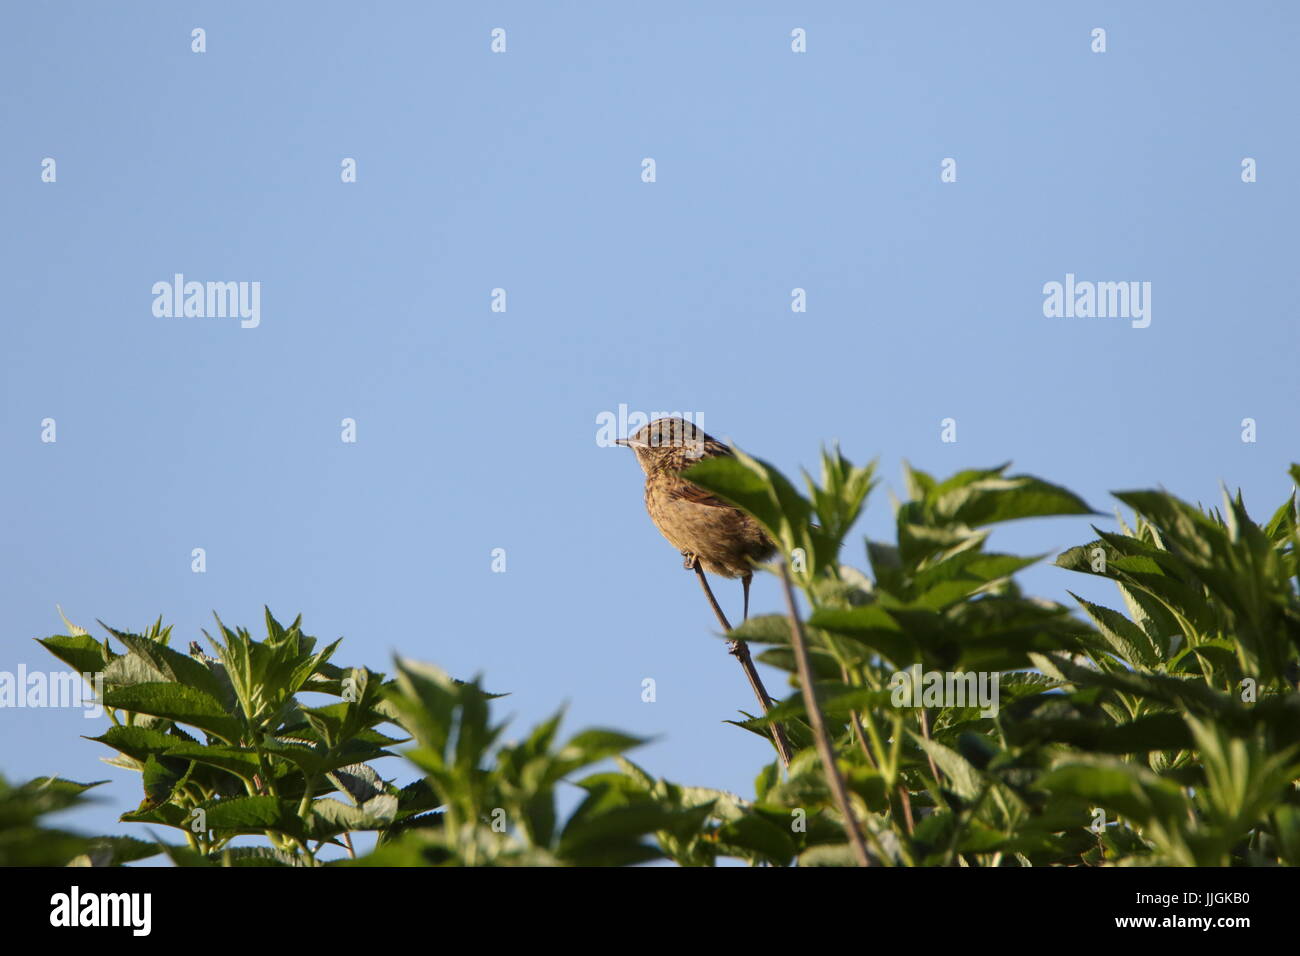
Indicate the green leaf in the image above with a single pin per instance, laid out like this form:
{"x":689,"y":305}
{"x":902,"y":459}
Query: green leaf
{"x":255,"y":815}
{"x":185,"y":705}
{"x":1126,"y":640}
{"x":990,"y":500}
{"x":968,"y":572}
{"x":1123,"y":788}
{"x":171,"y":665}
{"x":731,"y":479}
{"x":840,"y":854}
{"x":82,"y":653}
{"x":961,"y":776}
{"x":258,"y":856}
{"x":1283,"y":523}
{"x":590,"y":746}
{"x":137,"y":743}
{"x":160,"y":779}
{"x":331,"y":817}
{"x":760,"y":836}
{"x":241,"y":761}
{"x":118,"y":850}
{"x":872,"y":625}
{"x":767,"y":495}
{"x":762,"y":629}
{"x":598,"y":834}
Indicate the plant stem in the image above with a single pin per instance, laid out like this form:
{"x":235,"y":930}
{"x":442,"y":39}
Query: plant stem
{"x":861,"y":736}
{"x":740,"y":651}
{"x":824,"y":749}
{"x":925,"y":732}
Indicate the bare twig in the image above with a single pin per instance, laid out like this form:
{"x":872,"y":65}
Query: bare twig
{"x":740,"y":650}
{"x":824,"y":749}
{"x":708,"y":592}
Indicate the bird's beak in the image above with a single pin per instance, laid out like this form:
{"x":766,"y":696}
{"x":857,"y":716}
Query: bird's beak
{"x":626,"y":442}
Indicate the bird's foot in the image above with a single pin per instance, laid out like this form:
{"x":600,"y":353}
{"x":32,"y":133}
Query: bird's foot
{"x":689,"y":560}
{"x":740,"y":650}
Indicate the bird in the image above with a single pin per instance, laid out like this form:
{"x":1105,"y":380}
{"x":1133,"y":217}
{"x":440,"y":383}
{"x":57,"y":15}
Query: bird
{"x":711,"y":534}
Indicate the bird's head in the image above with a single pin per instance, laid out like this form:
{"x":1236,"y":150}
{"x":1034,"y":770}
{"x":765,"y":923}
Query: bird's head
{"x":671,"y":444}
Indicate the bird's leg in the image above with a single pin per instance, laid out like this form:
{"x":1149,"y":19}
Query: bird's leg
{"x":744,"y":582}
{"x":689,"y":561}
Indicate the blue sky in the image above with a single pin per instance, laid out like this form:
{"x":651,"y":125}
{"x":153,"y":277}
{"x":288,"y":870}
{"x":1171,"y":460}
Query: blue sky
{"x":522,"y":170}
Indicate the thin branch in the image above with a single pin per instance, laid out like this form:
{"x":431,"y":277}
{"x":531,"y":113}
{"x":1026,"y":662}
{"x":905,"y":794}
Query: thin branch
{"x":708,"y":592}
{"x":740,"y":650}
{"x":827,"y":753}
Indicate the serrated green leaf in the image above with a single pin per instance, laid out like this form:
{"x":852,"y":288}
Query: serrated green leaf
{"x":185,"y":705}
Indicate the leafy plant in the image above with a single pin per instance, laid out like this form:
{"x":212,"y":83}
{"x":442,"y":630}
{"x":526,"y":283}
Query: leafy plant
{"x":24,"y":841}
{"x":225,"y":748}
{"x":950,"y":719}
{"x":1167,"y":737}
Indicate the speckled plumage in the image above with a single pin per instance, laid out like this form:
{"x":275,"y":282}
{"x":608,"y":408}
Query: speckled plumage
{"x":712,"y":535}
{"x":726,"y":541}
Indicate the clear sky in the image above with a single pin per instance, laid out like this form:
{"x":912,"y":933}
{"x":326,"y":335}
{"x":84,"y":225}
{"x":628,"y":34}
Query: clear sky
{"x":522,"y":170}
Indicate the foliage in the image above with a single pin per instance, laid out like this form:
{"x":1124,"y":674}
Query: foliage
{"x":1164,"y":733}
{"x":225,"y":748}
{"x":1168,"y":735}
{"x":24,"y":841}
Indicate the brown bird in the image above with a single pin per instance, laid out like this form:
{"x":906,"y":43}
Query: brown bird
{"x":711,"y":534}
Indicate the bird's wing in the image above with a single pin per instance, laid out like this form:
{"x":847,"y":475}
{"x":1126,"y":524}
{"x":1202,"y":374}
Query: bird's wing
{"x":689,"y":492}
